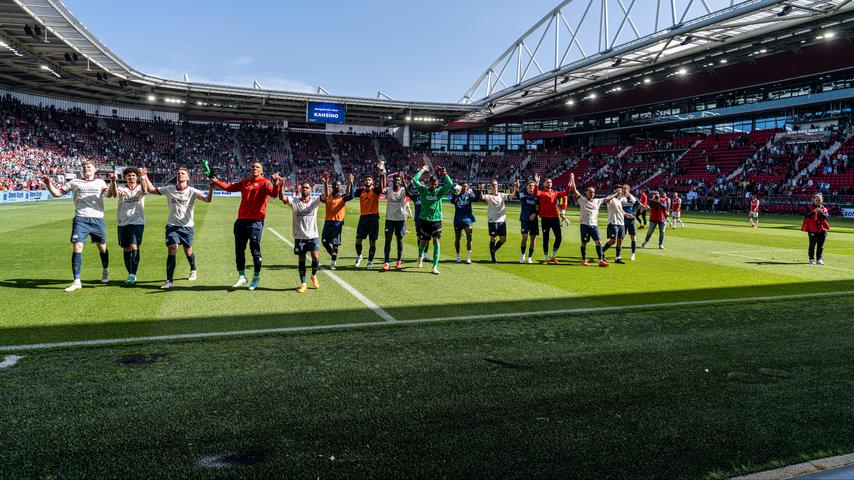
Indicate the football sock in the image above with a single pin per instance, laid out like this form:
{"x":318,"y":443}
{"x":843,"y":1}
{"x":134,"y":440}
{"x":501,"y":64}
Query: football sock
{"x":76,"y":264}
{"x":135,"y":261}
{"x":256,"y":264}
{"x":436,"y":248}
{"x":387,"y":247}
{"x":584,"y":253}
{"x":302,"y":270}
{"x":314,"y":265}
{"x":421,"y":249}
{"x":358,"y":249}
{"x":634,"y":246}
{"x":599,"y":252}
{"x":605,"y":248}
{"x":242,"y":273}
{"x":128,"y":257}
{"x":372,"y":251}
{"x":619,"y":252}
{"x":105,"y":259}
{"x":170,"y":267}
{"x":399,"y":248}
{"x":192,"y":259}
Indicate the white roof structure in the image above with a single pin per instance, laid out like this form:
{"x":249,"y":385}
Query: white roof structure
{"x":584,"y":42}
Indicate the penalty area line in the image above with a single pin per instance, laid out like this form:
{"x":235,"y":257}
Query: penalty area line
{"x":421,"y":321}
{"x":365,"y":300}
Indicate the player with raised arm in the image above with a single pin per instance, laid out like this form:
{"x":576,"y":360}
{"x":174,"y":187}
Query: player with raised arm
{"x":369,"y":216}
{"x":130,"y":216}
{"x":657,"y":216}
{"x":676,"y":211}
{"x":336,"y":209}
{"x":254,"y":191}
{"x":589,"y":214}
{"x":631,"y":207}
{"x":415,"y":197}
{"x":528,"y":220}
{"x":180,"y":227}
{"x":463,"y":218}
{"x":753,"y":216}
{"x":547,"y":199}
{"x":616,"y":225}
{"x":88,"y":194}
{"x":496,"y":214}
{"x":395,"y":218}
{"x":306,"y":241}
{"x":431,"y":212}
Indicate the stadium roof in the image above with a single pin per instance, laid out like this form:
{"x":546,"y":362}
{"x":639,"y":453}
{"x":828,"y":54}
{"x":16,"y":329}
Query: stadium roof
{"x":45,"y":50}
{"x":559,"y":58}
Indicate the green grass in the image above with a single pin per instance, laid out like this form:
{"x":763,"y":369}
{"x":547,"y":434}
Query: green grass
{"x":615,"y":394}
{"x":675,"y":393}
{"x":717,"y":256}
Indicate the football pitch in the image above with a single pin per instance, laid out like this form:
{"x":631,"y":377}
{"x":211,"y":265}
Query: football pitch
{"x":723,"y":354}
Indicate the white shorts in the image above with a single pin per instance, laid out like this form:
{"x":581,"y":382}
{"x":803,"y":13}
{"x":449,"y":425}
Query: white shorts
{"x":563,"y":213}
{"x":675,"y":215}
{"x":754,"y":214}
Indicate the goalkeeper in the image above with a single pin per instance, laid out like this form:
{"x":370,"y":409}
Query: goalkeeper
{"x":249,"y":225}
{"x":431,"y":211}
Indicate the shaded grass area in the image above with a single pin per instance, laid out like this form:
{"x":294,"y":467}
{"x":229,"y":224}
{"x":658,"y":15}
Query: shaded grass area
{"x":669,"y":393}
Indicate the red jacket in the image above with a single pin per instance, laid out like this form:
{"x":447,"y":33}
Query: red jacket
{"x":253,"y":196}
{"x":657,"y":211}
{"x":548,"y":201}
{"x":816,"y":220}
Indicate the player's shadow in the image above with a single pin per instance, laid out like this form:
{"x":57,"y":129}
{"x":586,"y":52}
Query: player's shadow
{"x":44,"y":283}
{"x":775,"y":262}
{"x":205,"y":288}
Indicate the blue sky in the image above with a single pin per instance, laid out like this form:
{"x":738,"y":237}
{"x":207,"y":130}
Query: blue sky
{"x":411,"y":50}
{"x":414,"y":50}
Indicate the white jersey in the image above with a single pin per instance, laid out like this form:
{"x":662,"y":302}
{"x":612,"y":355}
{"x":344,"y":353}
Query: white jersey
{"x":589,"y":210}
{"x":305,"y":217}
{"x":496,"y":207}
{"x":131,"y":208}
{"x":395,"y":207}
{"x":615,"y":212}
{"x":88,"y":197}
{"x":181,"y":204}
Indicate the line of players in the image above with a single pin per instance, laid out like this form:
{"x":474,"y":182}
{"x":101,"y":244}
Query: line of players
{"x":425,"y":191}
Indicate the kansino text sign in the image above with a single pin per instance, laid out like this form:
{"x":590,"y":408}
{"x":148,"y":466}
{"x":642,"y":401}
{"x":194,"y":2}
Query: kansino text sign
{"x":321,"y":112}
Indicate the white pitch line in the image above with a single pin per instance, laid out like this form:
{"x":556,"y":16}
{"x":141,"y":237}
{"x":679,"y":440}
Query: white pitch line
{"x":365,"y":300}
{"x":420,"y":321}
{"x":10,"y":361}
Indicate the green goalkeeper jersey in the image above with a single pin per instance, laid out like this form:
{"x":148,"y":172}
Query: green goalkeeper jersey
{"x":431,"y":199}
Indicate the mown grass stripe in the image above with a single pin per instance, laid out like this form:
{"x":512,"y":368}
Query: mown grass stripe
{"x":350,"y":326}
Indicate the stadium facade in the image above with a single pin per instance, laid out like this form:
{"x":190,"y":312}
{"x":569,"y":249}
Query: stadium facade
{"x":589,"y":73}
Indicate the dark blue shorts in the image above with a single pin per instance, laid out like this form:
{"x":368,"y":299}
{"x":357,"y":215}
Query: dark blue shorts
{"x":332,"y":232}
{"x":530,"y":227}
{"x":497,"y":229}
{"x":462,"y":223}
{"x":616,"y":231}
{"x":179,"y":235}
{"x":369,"y":227}
{"x":304,"y":247}
{"x":397,"y":227}
{"x":589,"y":232}
{"x":84,"y":227}
{"x":630,"y":227}
{"x":248,"y":229}
{"x":130,"y":235}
